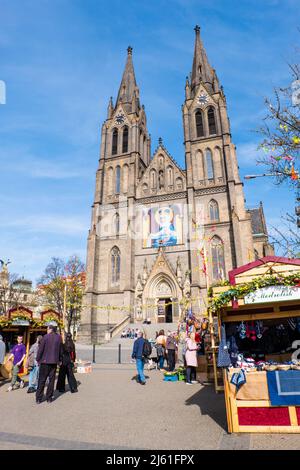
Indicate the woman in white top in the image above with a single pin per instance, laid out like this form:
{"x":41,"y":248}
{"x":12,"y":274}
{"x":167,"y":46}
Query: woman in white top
{"x":191,"y":359}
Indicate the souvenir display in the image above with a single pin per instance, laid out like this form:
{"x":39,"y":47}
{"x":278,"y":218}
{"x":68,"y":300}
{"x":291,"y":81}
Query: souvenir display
{"x":259,"y":352}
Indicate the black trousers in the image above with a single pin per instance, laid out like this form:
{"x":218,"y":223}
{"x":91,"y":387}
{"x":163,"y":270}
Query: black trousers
{"x":171,"y":359}
{"x":190,"y":373}
{"x":46,"y":371}
{"x":63,"y":372}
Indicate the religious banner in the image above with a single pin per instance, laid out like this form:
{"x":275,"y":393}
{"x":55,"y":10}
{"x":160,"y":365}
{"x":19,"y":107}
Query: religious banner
{"x":162,"y":226}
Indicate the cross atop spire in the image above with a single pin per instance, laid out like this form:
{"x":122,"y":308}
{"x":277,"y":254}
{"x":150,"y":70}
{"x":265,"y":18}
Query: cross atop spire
{"x":128,"y":91}
{"x":202,"y":71}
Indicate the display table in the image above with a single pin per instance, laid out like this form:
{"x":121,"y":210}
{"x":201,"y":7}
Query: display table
{"x":256,"y":387}
{"x":250,"y":410}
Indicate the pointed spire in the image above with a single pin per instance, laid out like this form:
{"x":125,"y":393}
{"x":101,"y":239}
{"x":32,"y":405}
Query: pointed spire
{"x":110,"y":108}
{"x":128,"y":88}
{"x":187,"y":89}
{"x":202,"y":70}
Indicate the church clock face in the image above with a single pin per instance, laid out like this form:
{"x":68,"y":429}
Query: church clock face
{"x":120,"y":118}
{"x":203,"y":99}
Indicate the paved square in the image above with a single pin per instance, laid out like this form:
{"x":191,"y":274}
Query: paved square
{"x":112,"y":411}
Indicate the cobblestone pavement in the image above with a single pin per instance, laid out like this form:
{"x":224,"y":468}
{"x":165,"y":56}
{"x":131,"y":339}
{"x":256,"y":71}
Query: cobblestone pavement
{"x":112,"y":411}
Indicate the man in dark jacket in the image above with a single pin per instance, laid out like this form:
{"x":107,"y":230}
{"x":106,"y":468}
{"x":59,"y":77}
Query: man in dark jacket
{"x":137,"y":354}
{"x":48,"y":356}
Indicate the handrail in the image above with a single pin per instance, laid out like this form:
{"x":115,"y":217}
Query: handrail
{"x":117,"y":328}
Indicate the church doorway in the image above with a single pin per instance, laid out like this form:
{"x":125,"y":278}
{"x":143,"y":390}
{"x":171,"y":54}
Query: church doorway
{"x":165,"y":311}
{"x":169,"y":311}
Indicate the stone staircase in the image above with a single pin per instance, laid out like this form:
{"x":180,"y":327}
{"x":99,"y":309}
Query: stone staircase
{"x":150,"y":330}
{"x":107,"y":353}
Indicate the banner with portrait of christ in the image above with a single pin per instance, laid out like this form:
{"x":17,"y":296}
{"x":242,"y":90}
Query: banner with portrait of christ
{"x":162,"y":226}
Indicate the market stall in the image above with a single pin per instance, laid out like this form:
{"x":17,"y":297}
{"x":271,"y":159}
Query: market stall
{"x":259,"y":332}
{"x":23,"y":321}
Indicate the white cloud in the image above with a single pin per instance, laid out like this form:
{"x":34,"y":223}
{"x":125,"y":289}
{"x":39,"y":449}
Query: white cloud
{"x":248,"y":154}
{"x":39,"y":223}
{"x":19,"y":159}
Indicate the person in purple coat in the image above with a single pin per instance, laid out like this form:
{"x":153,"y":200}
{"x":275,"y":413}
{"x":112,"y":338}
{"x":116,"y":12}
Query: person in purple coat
{"x":18,"y":354}
{"x":48,"y":357}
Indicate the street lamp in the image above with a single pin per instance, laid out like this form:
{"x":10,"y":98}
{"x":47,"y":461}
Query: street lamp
{"x":277,"y":173}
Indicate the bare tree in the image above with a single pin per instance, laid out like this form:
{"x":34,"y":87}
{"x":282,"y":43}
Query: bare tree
{"x":281,"y":132}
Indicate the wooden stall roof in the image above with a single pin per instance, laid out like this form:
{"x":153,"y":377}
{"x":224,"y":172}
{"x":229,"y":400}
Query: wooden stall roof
{"x":20,"y":309}
{"x":50,"y":312}
{"x":264,"y":266}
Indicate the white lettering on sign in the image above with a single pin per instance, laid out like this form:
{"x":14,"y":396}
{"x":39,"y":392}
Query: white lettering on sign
{"x":273,"y":294}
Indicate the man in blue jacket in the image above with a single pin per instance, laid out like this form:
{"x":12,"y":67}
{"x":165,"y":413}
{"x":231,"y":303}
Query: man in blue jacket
{"x":137,"y":354}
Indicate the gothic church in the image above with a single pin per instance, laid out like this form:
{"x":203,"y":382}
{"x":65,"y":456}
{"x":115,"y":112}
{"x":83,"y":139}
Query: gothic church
{"x":160,"y":234}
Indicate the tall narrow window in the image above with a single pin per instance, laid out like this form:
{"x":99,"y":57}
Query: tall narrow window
{"x":118,"y":179}
{"x":170,"y":176}
{"x":114,"y":148}
{"x":218,"y":262}
{"x":211,"y":121}
{"x":117,"y":224}
{"x":115,"y":265}
{"x":110,"y":180}
{"x":214,"y":211}
{"x":125,"y":140}
{"x":153,"y":179}
{"x":199,"y":124}
{"x":125,"y":174}
{"x":209,"y":164}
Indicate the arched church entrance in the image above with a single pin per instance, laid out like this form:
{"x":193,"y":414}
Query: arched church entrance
{"x":163,"y":292}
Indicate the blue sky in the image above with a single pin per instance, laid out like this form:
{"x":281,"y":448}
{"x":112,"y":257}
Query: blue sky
{"x":61,"y":60}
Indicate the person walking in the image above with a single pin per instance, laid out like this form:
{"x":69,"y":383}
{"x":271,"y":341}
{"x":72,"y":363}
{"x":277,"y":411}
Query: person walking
{"x":67,"y":366}
{"x":171,"y":347}
{"x":48,"y":356}
{"x":160,"y":346}
{"x":32,"y":364}
{"x":18,"y":354}
{"x":137,"y":354}
{"x":191,"y":359}
{"x":2,"y":350}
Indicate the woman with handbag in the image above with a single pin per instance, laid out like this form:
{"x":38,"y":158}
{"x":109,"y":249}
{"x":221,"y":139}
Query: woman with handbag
{"x":32,"y":365}
{"x":191,"y":359}
{"x":68,"y":356}
{"x":160,"y":346}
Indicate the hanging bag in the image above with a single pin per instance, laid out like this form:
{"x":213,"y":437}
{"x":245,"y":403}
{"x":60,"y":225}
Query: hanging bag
{"x":223,"y":356}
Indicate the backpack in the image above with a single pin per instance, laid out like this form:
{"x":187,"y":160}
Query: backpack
{"x":147,"y":348}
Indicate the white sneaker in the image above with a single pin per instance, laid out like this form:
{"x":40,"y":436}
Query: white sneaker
{"x":195,"y":382}
{"x":188,"y":383}
{"x":22,"y":383}
{"x":10,"y":389}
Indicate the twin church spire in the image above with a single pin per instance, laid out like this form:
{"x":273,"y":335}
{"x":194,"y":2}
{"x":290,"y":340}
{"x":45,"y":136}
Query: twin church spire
{"x":202,"y":71}
{"x":128,"y":94}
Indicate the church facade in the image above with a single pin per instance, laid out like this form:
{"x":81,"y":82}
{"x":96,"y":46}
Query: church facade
{"x":161,"y":235}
